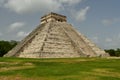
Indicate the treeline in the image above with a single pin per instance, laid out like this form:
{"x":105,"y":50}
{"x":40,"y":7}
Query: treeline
{"x":113,"y":52}
{"x":5,"y":46}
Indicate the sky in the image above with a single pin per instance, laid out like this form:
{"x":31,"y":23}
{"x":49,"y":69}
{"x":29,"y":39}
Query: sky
{"x":98,"y":20}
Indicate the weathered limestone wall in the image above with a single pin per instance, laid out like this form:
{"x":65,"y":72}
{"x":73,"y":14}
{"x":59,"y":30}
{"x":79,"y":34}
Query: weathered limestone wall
{"x":53,"y":17}
{"x":36,"y":43}
{"x":15,"y":51}
{"x":50,"y":55}
{"x":85,"y":45}
{"x":52,"y":39}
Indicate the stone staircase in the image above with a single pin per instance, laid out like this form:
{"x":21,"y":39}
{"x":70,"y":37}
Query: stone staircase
{"x":79,"y":41}
{"x":34,"y":45}
{"x":57,"y":43}
{"x":52,"y":41}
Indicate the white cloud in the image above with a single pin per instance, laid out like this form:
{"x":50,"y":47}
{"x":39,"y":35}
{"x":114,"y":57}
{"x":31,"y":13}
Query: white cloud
{"x":95,"y":39}
{"x":1,"y":2}
{"x":112,"y":42}
{"x":70,"y":2}
{"x":28,"y":6}
{"x":81,"y":15}
{"x":119,"y":36}
{"x":108,"y":40}
{"x":1,"y":34}
{"x":15,"y":26}
{"x":106,"y":43}
{"x":107,"y":22}
{"x":22,"y":34}
{"x":25,"y":6}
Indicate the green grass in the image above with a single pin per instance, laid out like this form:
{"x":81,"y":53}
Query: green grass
{"x":59,"y":69}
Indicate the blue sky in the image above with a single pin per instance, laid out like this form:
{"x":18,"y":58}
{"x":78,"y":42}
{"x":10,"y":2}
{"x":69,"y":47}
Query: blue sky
{"x":99,"y":20}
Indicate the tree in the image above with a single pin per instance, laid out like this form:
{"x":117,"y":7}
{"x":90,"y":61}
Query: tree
{"x":111,"y":52}
{"x":117,"y":53}
{"x":5,"y":46}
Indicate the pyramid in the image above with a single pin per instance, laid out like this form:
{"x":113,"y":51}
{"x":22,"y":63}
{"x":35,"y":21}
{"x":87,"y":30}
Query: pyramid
{"x":55,"y":38}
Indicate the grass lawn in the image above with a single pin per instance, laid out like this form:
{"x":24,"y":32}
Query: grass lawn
{"x":59,"y":69}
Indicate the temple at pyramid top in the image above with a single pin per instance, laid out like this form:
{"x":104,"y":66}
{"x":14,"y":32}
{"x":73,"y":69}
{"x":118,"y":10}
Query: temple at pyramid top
{"x":53,"y":17}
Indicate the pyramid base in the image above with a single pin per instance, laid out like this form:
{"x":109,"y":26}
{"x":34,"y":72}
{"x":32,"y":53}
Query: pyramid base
{"x":49,"y":55}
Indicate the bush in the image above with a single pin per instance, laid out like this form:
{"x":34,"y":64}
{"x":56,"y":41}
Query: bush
{"x":113,"y":52}
{"x":5,"y":46}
